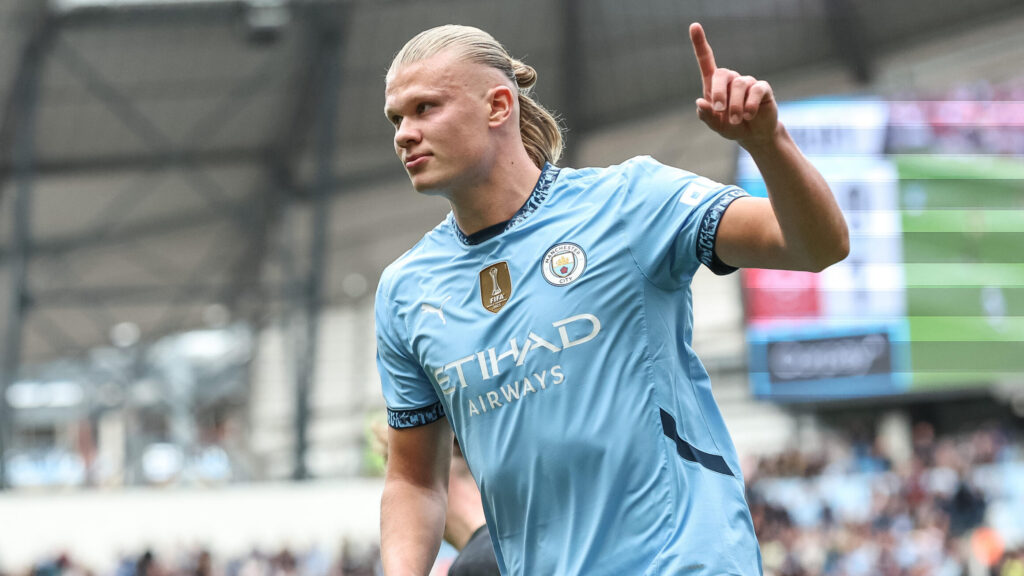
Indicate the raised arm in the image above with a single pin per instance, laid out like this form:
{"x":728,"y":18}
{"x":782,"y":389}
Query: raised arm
{"x":799,"y":226}
{"x":412,"y":511}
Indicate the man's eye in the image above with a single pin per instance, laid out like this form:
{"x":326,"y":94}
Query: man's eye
{"x":396,"y":120}
{"x":423,"y":107}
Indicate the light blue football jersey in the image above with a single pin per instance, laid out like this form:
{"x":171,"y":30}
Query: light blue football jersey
{"x":560,"y":352}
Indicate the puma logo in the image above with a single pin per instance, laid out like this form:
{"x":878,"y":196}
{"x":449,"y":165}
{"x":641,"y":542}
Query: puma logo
{"x":439,"y":310}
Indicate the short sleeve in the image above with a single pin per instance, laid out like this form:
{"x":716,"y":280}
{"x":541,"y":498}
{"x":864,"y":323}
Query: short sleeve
{"x":672,"y":219}
{"x":410,"y":398}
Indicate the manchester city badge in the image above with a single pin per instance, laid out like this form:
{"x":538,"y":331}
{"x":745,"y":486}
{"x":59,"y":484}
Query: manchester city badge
{"x":563,"y":263}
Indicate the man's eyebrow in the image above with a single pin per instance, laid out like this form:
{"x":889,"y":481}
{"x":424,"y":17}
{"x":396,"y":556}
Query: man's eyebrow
{"x":416,"y":95}
{"x":423,"y":94}
{"x":390,"y":110}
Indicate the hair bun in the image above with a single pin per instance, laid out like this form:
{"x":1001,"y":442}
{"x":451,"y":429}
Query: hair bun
{"x":526,"y":76}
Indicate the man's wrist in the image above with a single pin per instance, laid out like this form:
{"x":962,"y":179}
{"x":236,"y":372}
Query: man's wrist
{"x":767,"y":145}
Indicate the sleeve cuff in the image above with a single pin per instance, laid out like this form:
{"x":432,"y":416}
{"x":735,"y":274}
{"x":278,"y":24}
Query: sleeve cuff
{"x":416,"y":417}
{"x":708,"y":232}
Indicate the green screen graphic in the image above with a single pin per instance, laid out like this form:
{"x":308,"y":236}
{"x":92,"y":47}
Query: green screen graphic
{"x":931,"y":296}
{"x":963,"y":251}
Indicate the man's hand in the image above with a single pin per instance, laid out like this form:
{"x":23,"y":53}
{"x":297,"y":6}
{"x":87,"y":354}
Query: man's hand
{"x":740,"y":108}
{"x":801,"y":228}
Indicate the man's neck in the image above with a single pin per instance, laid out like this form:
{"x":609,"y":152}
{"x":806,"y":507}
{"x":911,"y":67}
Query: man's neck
{"x":496,"y":198}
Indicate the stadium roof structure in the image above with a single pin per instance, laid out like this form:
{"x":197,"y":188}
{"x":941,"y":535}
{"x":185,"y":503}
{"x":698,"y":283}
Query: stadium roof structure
{"x":151,"y":151}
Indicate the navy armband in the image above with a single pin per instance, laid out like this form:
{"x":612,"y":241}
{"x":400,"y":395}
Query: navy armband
{"x":708,"y":232}
{"x":416,"y":417}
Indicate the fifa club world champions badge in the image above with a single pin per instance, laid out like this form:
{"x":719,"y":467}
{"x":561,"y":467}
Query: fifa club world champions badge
{"x":495,"y":286}
{"x":563,"y":263}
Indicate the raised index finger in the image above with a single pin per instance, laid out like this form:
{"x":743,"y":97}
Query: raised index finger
{"x":705,"y":57}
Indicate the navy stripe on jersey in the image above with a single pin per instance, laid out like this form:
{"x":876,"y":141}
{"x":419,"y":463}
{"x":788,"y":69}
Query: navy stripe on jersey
{"x":485,"y":234}
{"x":417,"y":417}
{"x":708,"y":232}
{"x":686,"y":451}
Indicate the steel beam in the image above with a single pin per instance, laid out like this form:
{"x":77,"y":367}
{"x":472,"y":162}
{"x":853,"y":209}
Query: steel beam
{"x":849,"y":38}
{"x":329,"y":35}
{"x":245,"y":215}
{"x":280,"y":165}
{"x":153,"y":162}
{"x":23,"y":155}
{"x":137,"y":122}
{"x":32,"y":21}
{"x":571,"y":62}
{"x":125,"y":295}
{"x":198,"y":218}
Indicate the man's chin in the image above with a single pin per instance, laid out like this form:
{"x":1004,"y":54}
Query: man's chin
{"x":426,"y":186}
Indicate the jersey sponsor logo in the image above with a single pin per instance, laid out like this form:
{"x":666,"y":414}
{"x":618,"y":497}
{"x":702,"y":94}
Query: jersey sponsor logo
{"x":492,"y":400}
{"x":563,"y":263}
{"x":494,"y":361}
{"x":495,"y":286}
{"x":439,"y":310}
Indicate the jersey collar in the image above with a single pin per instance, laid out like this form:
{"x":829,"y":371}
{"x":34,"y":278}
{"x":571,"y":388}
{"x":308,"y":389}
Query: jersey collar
{"x":548,"y":174}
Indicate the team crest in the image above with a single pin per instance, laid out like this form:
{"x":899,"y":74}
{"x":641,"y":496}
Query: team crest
{"x":495,"y":286}
{"x":563,"y":263}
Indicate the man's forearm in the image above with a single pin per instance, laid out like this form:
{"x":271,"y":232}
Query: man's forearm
{"x":810,"y":220}
{"x":411,"y":524}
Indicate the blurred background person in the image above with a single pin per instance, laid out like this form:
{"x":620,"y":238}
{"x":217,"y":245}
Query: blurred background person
{"x":465,"y":527}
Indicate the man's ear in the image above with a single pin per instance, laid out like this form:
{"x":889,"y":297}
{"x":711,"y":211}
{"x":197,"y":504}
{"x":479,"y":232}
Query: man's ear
{"x":502,"y":105}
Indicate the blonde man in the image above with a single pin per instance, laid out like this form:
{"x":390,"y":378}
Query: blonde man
{"x":547,"y":321}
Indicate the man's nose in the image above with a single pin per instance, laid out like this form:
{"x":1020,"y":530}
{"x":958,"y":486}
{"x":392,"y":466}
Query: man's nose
{"x":406,"y":135}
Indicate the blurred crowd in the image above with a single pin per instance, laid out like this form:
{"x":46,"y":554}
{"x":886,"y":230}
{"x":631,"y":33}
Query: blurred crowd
{"x":947,"y":509}
{"x":348,"y":561}
{"x":944,"y":506}
{"x":976,"y":118}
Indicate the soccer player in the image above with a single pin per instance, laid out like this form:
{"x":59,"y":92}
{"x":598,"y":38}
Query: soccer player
{"x":547,"y":322}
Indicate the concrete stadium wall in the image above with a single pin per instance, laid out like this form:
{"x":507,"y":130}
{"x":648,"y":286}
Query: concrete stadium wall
{"x":95,"y":527}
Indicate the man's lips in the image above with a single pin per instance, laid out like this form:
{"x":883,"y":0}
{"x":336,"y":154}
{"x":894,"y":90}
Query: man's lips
{"x":415,"y":160}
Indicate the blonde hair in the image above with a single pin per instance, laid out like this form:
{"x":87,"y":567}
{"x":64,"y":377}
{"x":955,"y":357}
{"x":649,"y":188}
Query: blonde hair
{"x":541,"y":133}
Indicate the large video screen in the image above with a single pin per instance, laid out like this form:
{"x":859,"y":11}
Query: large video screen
{"x":931,"y":297}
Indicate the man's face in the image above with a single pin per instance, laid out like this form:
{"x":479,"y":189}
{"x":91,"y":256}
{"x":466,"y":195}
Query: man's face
{"x":439,"y":107}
